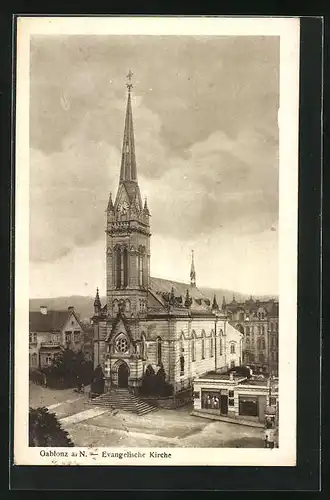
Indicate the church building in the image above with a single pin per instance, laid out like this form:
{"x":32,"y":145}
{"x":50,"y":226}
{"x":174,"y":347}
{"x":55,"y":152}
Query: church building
{"x":150,"y":321}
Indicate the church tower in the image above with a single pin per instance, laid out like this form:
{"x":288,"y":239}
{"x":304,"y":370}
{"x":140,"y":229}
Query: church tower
{"x":127,"y":233}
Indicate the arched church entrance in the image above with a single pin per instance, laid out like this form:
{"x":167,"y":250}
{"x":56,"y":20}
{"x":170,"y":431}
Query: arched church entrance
{"x":123,"y":372}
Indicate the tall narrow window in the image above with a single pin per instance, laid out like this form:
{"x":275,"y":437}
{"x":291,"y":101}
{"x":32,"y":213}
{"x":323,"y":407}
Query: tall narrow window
{"x":193,"y":348}
{"x":118,"y":268}
{"x":159,"y":350}
{"x":125,"y":264}
{"x":140,"y":270}
{"x":232,"y":348}
{"x":203,"y":346}
{"x":211,"y":346}
{"x":220,"y":347}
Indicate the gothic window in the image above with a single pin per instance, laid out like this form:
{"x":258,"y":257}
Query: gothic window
{"x":203,"y":344}
{"x":220,"y":346}
{"x":125,"y":266}
{"x":232,"y":349}
{"x":118,"y":267}
{"x":121,"y":344}
{"x":159,"y":350}
{"x":211,"y":346}
{"x":193,"y":347}
{"x":181,"y":364}
{"x":140,"y":270}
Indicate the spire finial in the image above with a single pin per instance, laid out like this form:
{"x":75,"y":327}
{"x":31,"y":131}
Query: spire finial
{"x":129,"y":84}
{"x":192,"y":271}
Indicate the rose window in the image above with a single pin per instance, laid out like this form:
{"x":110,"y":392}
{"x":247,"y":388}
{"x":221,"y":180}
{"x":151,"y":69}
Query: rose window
{"x":121,"y":344}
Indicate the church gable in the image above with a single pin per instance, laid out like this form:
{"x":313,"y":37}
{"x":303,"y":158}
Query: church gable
{"x":118,"y":328}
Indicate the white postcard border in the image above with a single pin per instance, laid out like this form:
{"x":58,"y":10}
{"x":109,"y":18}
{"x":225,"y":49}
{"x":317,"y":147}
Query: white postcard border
{"x":288,"y":31}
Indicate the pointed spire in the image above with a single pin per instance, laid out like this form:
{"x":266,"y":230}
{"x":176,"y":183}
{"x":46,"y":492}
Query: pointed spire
{"x":128,"y":163}
{"x":188,"y":299}
{"x":192,"y":271}
{"x":224,"y":305}
{"x":172,"y":297}
{"x":97,"y":302}
{"x":110,"y":204}
{"x":215,"y":303}
{"x":145,"y":208}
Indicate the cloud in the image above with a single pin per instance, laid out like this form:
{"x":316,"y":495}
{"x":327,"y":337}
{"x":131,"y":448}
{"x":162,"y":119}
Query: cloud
{"x":205,"y":120}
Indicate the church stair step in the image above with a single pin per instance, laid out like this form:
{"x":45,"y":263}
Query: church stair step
{"x":122,"y":399}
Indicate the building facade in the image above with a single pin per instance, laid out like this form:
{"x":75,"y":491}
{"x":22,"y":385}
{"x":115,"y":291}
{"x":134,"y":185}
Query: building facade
{"x":258,"y":322}
{"x":235,"y":396}
{"x":49,"y":332}
{"x":151,"y":321}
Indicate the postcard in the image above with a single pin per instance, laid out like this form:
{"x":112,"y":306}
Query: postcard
{"x":156,"y":204}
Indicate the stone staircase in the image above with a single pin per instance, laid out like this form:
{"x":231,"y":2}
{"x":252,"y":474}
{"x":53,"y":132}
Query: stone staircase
{"x":122,"y":399}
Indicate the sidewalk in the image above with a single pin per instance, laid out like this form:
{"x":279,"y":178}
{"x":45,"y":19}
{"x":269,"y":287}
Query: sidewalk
{"x":229,"y":420}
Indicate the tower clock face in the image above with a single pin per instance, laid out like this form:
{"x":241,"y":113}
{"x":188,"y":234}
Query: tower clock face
{"x":123,"y":207}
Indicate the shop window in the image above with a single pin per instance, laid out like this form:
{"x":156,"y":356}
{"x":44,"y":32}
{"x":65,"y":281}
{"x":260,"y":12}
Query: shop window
{"x":248,"y":406}
{"x":211,"y":400}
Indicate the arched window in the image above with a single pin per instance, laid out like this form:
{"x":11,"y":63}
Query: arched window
{"x":181,"y":364}
{"x":203,"y":344}
{"x":118,"y":267}
{"x":262,"y":329}
{"x":125,"y":267}
{"x":232,"y":349}
{"x":159,"y":350}
{"x":220,"y":342}
{"x":193,"y":347}
{"x":211,"y":346}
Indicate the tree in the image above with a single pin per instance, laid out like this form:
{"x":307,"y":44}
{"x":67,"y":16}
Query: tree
{"x":69,"y":368}
{"x":45,"y":429}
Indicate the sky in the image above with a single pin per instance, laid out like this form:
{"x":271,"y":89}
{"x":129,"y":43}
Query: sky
{"x":205,"y":113}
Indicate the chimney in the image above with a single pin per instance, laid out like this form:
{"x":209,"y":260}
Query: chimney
{"x":70,"y":308}
{"x":43,"y":310}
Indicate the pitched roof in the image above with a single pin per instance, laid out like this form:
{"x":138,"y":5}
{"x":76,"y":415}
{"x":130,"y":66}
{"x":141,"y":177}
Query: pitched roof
{"x":162,"y":288}
{"x":53,"y":320}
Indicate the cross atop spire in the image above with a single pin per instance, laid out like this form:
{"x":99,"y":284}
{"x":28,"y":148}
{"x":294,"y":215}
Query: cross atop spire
{"x":192,"y":271}
{"x":128,"y":162}
{"x":129,"y":84}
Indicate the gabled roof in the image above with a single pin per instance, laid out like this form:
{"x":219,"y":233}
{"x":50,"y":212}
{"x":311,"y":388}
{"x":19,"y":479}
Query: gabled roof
{"x":162,"y":289}
{"x":53,"y":320}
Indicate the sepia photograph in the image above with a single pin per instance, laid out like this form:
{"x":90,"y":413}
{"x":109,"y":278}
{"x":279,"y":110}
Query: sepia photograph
{"x":156,"y":221}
